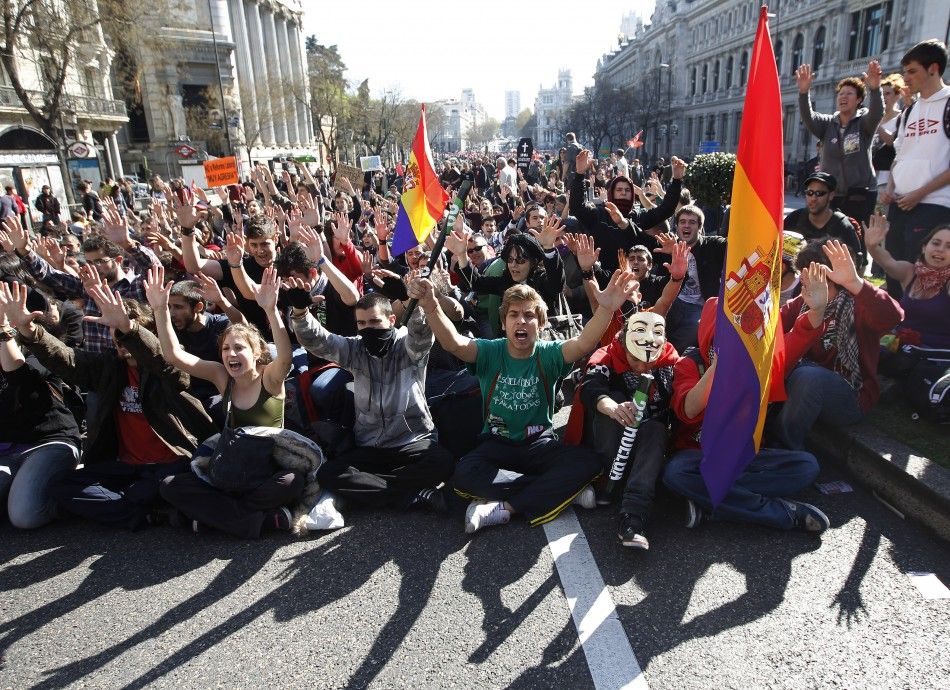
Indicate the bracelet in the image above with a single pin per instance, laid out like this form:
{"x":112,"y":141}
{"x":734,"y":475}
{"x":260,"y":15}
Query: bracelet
{"x":234,"y":265}
{"x":588,"y":274}
{"x":322,"y":261}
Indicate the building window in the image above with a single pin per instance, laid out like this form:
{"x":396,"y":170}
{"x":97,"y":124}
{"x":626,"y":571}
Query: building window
{"x":737,"y":127}
{"x":729,"y":72}
{"x":819,"y":54}
{"x":716,"y":76}
{"x":689,"y":132}
{"x":723,"y":128}
{"x":870,"y":31}
{"x":778,"y":56}
{"x":705,"y":78}
{"x":743,"y":67}
{"x":798,"y":53}
{"x":692,"y":82}
{"x":790,"y":122}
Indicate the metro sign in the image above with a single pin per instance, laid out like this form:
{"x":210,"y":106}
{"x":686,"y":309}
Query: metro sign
{"x":185,"y":151}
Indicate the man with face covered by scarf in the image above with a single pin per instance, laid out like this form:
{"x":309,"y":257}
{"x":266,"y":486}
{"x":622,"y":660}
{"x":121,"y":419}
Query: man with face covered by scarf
{"x":616,"y":224}
{"x":607,"y":410}
{"x":397,"y":460}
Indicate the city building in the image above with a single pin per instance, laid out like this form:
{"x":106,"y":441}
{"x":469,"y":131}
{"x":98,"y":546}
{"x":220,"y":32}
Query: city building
{"x":451,"y":133}
{"x":547,"y":106}
{"x":691,"y":62}
{"x":512,"y":103}
{"x":227,"y":77}
{"x":84,"y":145}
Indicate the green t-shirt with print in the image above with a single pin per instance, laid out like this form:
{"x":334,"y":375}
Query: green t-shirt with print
{"x":519,"y":406}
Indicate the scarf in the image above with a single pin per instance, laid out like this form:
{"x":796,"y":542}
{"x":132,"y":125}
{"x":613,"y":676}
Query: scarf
{"x":842,"y":336}
{"x":928,"y":281}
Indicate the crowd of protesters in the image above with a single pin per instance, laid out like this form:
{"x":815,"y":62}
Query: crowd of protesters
{"x":225,"y":358}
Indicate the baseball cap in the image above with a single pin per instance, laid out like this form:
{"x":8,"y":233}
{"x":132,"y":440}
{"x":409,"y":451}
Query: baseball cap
{"x":828,"y":180}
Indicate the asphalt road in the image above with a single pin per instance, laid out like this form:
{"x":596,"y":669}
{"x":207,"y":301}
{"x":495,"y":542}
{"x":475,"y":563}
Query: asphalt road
{"x":398,"y":601}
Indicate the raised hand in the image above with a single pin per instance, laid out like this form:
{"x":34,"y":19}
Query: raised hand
{"x":367,"y":261}
{"x":550,"y":230}
{"x":112,"y":310}
{"x":815,"y":289}
{"x":5,"y":242}
{"x":90,"y":278}
{"x":804,"y":76}
{"x":876,"y":231}
{"x":343,"y":225}
{"x":873,"y":76}
{"x":19,"y":237}
{"x":620,"y":288}
{"x":313,"y":243}
{"x":680,"y":261}
{"x":210,"y":289}
{"x":234,"y":248}
{"x":679,"y":167}
{"x":587,"y":254}
{"x":457,"y":243}
{"x":667,"y":242}
{"x":381,"y":223}
{"x":156,"y":289}
{"x":266,"y":293}
{"x":843,"y":271}
{"x":582,"y":162}
{"x":54,"y":253}
{"x":615,"y":215}
{"x":114,"y":227}
{"x":13,"y":303}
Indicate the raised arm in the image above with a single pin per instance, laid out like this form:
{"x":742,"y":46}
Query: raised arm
{"x":677,"y":268}
{"x":874,"y":235}
{"x":157,"y":291}
{"x":266,"y":296}
{"x":317,"y":250}
{"x":872,"y":78}
{"x":235,"y":255}
{"x":443,"y":330}
{"x":213,"y":295}
{"x":816,"y":123}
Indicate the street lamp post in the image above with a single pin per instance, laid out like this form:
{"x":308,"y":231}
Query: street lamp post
{"x":666,"y":134}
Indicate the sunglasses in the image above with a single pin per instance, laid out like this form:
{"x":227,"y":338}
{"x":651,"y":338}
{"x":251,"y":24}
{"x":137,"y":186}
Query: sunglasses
{"x":815,"y":192}
{"x":476,"y":248}
{"x":517,"y":260}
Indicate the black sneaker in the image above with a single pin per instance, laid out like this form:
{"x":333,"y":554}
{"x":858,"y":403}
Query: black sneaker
{"x":431,"y":499}
{"x":808,"y":517}
{"x":631,"y":532}
{"x":694,"y":514}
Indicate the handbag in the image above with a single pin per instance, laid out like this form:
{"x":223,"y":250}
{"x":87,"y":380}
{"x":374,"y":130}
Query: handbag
{"x":563,"y":327}
{"x":241,"y":460}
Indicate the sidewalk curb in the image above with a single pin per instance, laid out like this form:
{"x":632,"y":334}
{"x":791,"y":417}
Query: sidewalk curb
{"x":914,"y":484}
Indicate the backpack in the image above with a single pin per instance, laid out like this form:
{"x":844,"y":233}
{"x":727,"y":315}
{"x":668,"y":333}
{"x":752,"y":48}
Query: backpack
{"x":905,"y":116}
{"x":926,"y":391}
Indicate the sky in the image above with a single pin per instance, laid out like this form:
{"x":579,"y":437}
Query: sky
{"x":384,"y":41}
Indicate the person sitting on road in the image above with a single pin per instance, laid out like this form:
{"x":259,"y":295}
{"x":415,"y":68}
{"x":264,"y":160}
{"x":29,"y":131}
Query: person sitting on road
{"x":517,"y":375}
{"x":836,"y":381}
{"x":253,"y":388}
{"x":608,"y":411}
{"x":819,"y":219}
{"x":760,"y":493}
{"x":145,"y":425}
{"x":397,"y":460}
{"x":40,"y":436}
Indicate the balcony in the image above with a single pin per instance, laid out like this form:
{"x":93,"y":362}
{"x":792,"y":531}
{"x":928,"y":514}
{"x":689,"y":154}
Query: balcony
{"x":85,"y":107}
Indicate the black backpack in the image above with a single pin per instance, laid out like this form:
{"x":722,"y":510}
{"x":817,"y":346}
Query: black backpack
{"x":926,"y":390}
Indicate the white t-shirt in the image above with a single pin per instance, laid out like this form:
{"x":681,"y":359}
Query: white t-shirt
{"x":923,"y":149}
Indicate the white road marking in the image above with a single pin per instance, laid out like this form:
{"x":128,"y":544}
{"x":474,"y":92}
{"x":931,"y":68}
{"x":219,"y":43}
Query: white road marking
{"x":929,"y":585}
{"x":610,"y":657}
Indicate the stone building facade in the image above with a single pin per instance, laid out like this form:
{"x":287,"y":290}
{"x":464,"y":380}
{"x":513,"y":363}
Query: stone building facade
{"x":547,"y":106}
{"x":692,"y":62}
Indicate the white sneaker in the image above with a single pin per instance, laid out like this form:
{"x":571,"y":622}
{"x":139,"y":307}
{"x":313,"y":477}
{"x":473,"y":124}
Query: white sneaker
{"x":485,"y":514}
{"x":586,"y":498}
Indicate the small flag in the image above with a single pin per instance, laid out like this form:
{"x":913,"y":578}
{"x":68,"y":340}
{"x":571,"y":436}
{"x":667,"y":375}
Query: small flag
{"x":635,"y":143}
{"x":749,"y":342}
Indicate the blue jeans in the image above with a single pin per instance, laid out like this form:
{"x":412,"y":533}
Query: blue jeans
{"x":683,"y":324}
{"x":328,"y":392}
{"x":772,"y":474}
{"x":814,"y":393}
{"x":25,"y":479}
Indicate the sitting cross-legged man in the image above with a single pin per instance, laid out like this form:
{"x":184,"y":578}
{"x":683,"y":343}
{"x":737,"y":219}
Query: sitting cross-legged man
{"x":518,"y":375}
{"x":397,"y":460}
{"x":625,"y":407}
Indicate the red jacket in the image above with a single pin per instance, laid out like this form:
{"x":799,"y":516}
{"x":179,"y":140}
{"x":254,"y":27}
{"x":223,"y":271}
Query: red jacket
{"x":875,"y":313}
{"x":350,"y":265}
{"x":686,"y":373}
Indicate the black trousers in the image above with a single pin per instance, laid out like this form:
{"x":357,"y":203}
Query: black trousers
{"x":552,"y":474}
{"x":380,"y":477}
{"x":646,"y":461}
{"x":112,"y":492}
{"x":239,"y":514}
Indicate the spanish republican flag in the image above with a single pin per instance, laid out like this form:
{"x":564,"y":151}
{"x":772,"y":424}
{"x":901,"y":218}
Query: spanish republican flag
{"x":749,"y":343}
{"x":423,"y":199}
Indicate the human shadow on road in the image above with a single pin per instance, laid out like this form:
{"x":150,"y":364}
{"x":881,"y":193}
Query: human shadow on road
{"x":335,"y":567}
{"x":123,"y":561}
{"x":669,"y":573}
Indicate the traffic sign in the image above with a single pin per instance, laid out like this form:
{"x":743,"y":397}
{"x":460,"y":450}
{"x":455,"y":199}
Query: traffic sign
{"x":708,"y":146}
{"x":185,"y":151}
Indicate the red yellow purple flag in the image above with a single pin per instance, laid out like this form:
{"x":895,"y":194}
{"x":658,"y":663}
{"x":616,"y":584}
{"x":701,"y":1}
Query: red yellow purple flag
{"x":748,"y":341}
{"x":423,"y":199}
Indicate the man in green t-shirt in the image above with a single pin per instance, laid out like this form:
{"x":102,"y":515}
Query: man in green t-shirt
{"x":518,"y":375}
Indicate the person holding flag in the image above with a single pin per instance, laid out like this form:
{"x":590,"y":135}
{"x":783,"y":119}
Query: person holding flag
{"x":740,"y":481}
